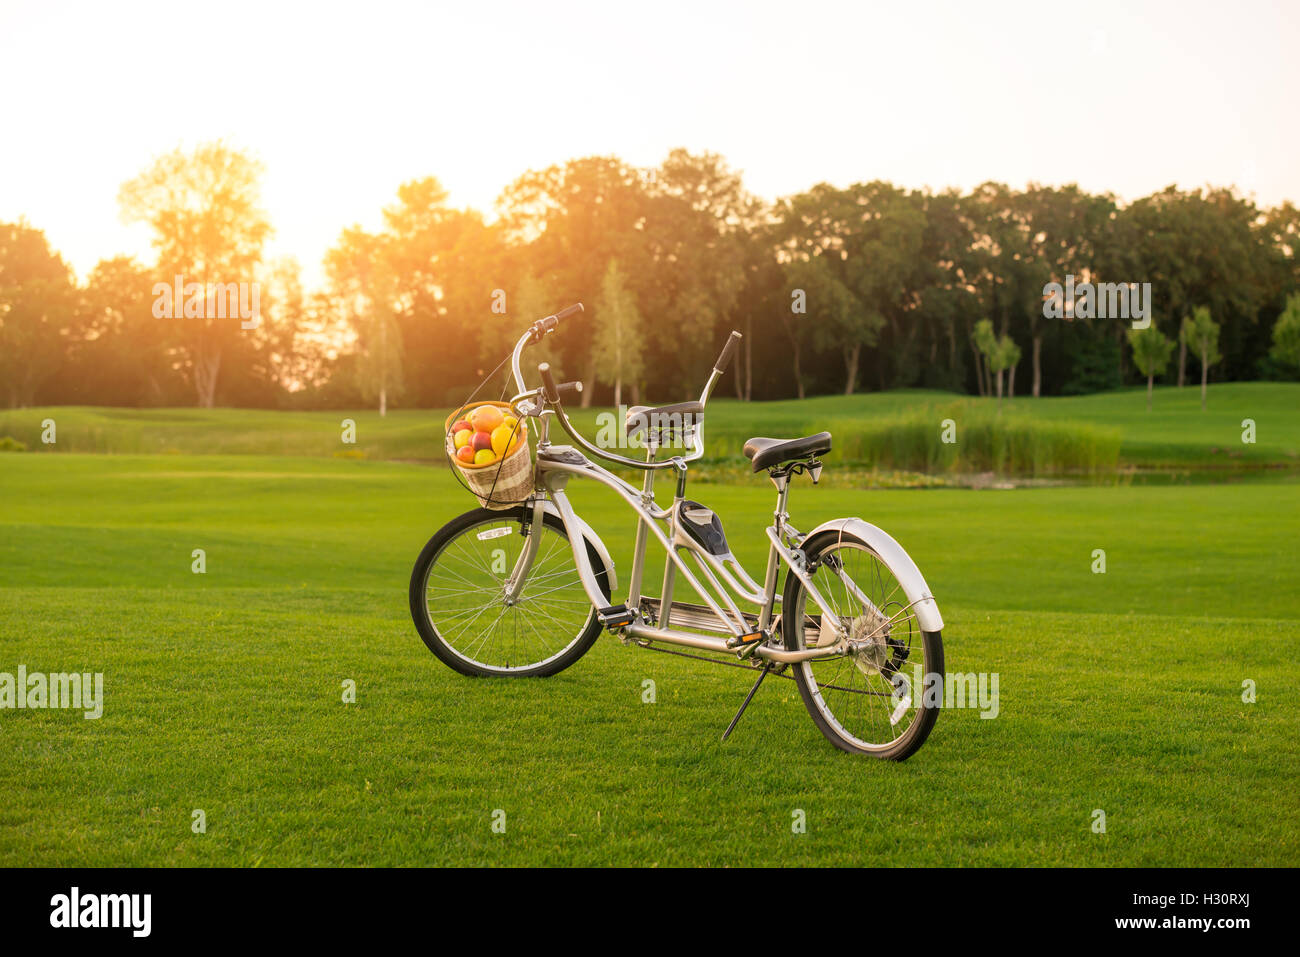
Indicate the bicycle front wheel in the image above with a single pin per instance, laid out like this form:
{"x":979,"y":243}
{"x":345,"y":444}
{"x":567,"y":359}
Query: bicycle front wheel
{"x":872,"y":700}
{"x":462,"y":610}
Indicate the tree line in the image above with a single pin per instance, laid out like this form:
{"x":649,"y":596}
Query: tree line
{"x":837,"y":290}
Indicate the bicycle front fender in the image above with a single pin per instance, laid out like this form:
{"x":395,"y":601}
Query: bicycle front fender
{"x":899,"y":562}
{"x":592,"y":539}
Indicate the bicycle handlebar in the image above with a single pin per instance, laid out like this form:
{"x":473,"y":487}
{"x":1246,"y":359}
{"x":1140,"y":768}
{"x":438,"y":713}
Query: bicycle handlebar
{"x":548,"y":383}
{"x":552,"y":391}
{"x":721,"y":365}
{"x":542,"y":326}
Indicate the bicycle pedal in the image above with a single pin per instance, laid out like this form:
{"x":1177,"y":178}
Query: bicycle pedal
{"x":615,"y":616}
{"x":748,"y":642}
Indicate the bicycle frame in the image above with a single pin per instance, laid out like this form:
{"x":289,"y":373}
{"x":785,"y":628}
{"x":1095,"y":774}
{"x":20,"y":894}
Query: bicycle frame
{"x":556,"y":465}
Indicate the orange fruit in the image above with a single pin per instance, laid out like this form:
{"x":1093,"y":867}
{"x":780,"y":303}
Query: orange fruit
{"x":465,"y":454}
{"x":486,"y":418}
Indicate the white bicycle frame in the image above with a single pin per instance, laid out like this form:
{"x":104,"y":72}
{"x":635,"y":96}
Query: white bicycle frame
{"x":733,"y":630}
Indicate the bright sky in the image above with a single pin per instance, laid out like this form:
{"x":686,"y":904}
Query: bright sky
{"x":343,"y":103}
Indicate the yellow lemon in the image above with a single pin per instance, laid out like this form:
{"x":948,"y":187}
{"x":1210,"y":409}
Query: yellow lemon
{"x":484,"y":457}
{"x":501,"y":436}
{"x":462,"y":438}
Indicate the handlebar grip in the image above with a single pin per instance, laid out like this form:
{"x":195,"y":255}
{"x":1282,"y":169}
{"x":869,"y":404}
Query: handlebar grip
{"x":564,"y":388}
{"x":727,"y":351}
{"x":548,"y":382}
{"x":543,"y":326}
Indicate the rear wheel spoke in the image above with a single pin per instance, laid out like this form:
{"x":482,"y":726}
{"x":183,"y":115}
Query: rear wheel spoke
{"x":853,"y":696}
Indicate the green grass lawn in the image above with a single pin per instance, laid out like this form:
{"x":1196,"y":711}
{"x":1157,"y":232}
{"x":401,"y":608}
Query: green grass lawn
{"x":1119,"y":692}
{"x":1175,"y":433}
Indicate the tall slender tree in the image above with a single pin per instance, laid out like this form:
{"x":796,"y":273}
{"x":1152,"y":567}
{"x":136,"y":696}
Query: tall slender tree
{"x":1151,"y":352}
{"x":1201,"y":333}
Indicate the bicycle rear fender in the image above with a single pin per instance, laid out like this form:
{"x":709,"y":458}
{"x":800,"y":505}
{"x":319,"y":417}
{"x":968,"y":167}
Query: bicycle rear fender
{"x":592,"y":538}
{"x":899,"y":562}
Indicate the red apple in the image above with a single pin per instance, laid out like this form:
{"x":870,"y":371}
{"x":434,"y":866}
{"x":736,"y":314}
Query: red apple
{"x":465,"y":454}
{"x":460,"y":424}
{"x":481,"y":440}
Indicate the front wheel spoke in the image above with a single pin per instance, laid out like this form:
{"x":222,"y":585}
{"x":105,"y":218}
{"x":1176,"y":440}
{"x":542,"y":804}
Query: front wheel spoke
{"x":465,"y":601}
{"x":474,"y":557}
{"x":454,"y":617}
{"x":552,"y":589}
{"x":483,"y":635}
{"x":548,"y":615}
{"x":445,"y":570}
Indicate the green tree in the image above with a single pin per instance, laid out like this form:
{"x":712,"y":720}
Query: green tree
{"x":1000,"y":353}
{"x":1063,"y":230}
{"x":363,"y":282}
{"x":119,"y":356}
{"x":208,"y":227}
{"x":829,"y":306}
{"x":985,"y":341}
{"x":1286,"y":334}
{"x":1206,"y":248}
{"x":448,"y":269}
{"x":1152,"y":350}
{"x":696,"y":215}
{"x":865,"y":243}
{"x":1201,"y":333}
{"x":1006,"y":356}
{"x":36,"y":305}
{"x":569,"y":221}
{"x":619,"y":341}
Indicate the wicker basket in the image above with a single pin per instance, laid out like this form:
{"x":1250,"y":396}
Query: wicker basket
{"x":497,"y":485}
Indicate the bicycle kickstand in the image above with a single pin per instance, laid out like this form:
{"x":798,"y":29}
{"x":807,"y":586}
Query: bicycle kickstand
{"x":748,"y":698}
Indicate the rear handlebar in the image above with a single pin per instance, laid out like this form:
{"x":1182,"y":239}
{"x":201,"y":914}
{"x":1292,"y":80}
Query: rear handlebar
{"x":721,"y":365}
{"x":552,"y":391}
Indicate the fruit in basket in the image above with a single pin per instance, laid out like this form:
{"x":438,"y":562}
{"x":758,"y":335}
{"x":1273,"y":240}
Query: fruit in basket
{"x":461,"y":437}
{"x":481,"y":440}
{"x":465,"y":454}
{"x":509,"y":420}
{"x":486,"y":418}
{"x":484,"y":457}
{"x":460,"y":425}
{"x":502,"y":439}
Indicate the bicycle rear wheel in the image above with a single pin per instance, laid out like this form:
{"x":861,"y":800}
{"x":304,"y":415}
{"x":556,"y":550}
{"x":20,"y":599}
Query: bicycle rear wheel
{"x":461,"y":609}
{"x":871,"y":701}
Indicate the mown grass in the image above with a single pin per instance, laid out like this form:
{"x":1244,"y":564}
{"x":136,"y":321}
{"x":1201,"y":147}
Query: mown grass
{"x":890,"y":430}
{"x":1119,"y":692}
